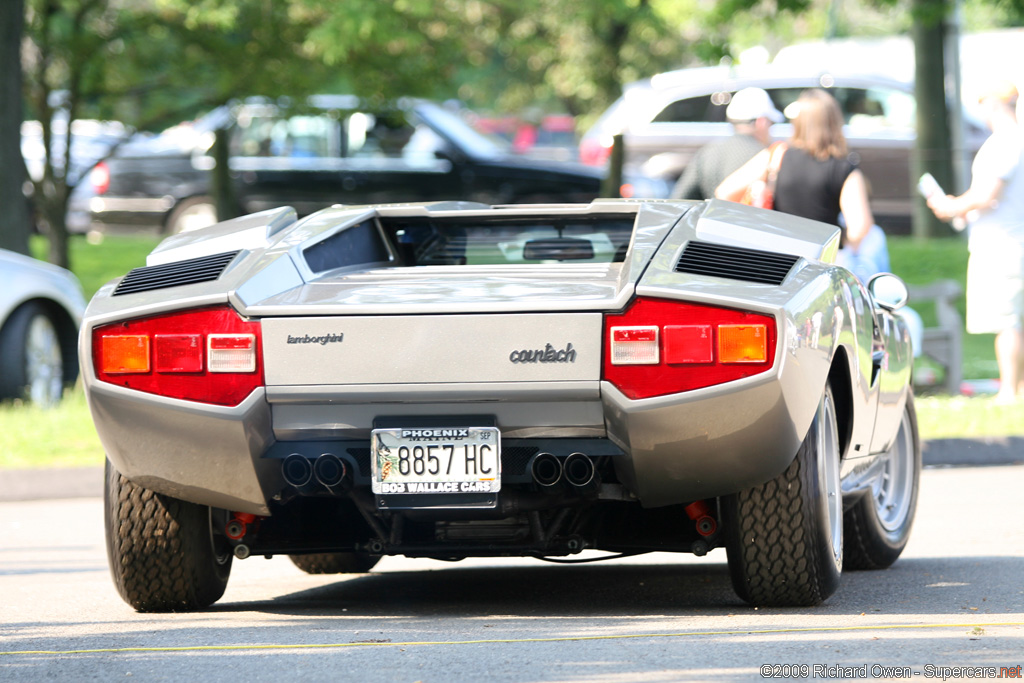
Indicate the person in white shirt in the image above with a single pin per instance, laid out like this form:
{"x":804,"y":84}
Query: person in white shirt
{"x":993,"y":207}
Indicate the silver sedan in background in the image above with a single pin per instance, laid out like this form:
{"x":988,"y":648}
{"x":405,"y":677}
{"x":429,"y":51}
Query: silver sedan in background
{"x":41,"y":307}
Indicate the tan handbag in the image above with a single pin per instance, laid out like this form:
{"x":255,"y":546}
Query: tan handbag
{"x":761,"y":193}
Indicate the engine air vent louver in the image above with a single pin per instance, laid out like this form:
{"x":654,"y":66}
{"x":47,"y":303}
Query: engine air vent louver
{"x":735,"y":263}
{"x":190,"y":272}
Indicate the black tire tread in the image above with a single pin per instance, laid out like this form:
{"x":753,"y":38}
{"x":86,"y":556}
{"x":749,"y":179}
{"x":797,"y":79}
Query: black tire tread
{"x":159,"y":560}
{"x":860,"y":553}
{"x":774,"y":544}
{"x":334,"y":563}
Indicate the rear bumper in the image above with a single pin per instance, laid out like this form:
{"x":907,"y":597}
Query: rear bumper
{"x":706,"y":443}
{"x":666,"y":450}
{"x":205,"y":454}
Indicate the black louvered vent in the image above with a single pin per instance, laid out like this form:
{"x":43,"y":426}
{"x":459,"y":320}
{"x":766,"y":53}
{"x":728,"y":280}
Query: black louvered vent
{"x":735,"y":263}
{"x":190,"y":272}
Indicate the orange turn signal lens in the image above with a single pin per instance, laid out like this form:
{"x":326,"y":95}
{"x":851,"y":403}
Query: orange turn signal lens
{"x":742,"y":343}
{"x":124,"y":354}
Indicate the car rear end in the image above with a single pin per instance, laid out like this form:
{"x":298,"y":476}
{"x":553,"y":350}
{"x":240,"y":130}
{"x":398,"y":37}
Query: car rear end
{"x":455,"y":380}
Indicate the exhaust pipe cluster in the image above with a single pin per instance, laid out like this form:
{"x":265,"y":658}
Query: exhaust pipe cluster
{"x":576,"y":469}
{"x":328,"y":470}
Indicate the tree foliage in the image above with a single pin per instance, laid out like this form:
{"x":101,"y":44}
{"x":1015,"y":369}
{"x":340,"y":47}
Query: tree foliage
{"x":508,"y":54}
{"x":149,"y":65}
{"x":157,"y":62}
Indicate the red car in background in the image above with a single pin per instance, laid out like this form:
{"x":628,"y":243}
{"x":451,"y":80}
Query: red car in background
{"x":552,"y":136}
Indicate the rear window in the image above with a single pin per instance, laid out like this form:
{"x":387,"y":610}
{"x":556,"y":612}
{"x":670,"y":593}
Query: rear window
{"x":703,"y":109}
{"x":453,"y":242}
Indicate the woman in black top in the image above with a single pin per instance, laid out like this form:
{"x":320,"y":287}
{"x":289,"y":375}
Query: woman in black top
{"x":815,"y":178}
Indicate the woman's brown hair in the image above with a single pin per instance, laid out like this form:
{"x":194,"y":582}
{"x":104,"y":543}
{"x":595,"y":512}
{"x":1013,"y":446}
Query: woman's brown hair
{"x":818,"y":126}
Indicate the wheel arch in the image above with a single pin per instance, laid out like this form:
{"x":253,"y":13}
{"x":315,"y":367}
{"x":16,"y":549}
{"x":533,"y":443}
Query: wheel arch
{"x":197,"y":195}
{"x":839,"y":378}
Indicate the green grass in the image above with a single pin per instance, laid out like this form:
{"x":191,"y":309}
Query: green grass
{"x":64,"y":436}
{"x":945,"y":417}
{"x":97,"y":261}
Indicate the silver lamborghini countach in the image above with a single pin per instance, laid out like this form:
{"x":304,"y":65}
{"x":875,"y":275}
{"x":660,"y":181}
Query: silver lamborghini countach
{"x":453,"y":380}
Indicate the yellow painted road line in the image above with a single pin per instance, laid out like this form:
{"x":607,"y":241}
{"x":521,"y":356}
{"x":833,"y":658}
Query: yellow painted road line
{"x":560,"y":639}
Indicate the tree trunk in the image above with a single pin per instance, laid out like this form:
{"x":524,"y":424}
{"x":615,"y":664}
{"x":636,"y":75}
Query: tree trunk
{"x":53,"y":211}
{"x":15,"y":220}
{"x":220,"y":177}
{"x":611,"y":186}
{"x":933,"y":152}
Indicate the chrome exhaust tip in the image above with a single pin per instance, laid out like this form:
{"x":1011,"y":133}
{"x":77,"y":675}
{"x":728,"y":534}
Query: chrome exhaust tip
{"x":329,"y":470}
{"x":546,"y":470}
{"x":579,"y":470}
{"x":296,"y":470}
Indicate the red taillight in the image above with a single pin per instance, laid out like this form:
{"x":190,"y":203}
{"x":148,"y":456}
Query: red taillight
{"x":210,"y":355}
{"x":658,"y":347}
{"x":99,"y":176}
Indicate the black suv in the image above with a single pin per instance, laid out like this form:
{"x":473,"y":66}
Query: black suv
{"x":331,"y":150}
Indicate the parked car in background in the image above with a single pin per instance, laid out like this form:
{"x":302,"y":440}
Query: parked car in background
{"x":664,"y":120}
{"x":91,"y":141}
{"x":41,"y":307}
{"x":551,"y":136}
{"x":334,"y":150}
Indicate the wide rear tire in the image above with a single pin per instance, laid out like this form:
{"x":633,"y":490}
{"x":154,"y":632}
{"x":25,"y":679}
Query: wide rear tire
{"x":784,"y":538}
{"x":164,"y":555}
{"x":877,"y":527}
{"x":335,"y":563}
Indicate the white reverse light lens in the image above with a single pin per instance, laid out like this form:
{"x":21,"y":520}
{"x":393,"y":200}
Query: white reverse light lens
{"x":231,"y":352}
{"x":635,"y":345}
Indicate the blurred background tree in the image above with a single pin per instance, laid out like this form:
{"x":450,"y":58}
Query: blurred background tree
{"x":14,"y":218}
{"x":154,"y":63}
{"x":149,"y":65}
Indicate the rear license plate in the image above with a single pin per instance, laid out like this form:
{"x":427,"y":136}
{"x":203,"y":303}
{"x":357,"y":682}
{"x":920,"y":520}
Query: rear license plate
{"x":436,"y":460}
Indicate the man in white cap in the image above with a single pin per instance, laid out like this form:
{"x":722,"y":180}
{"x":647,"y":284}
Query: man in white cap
{"x":751,"y":113}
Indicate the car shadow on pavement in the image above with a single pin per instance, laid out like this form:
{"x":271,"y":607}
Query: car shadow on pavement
{"x":971,"y":586}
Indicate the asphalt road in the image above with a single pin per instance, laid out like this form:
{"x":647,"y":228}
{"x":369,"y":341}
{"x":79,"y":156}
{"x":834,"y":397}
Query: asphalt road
{"x":955,"y":599}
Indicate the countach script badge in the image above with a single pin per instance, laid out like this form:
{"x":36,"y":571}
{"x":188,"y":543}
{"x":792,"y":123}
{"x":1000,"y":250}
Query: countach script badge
{"x":549,"y":354}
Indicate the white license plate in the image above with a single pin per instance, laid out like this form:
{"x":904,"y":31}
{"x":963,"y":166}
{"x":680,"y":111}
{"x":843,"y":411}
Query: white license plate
{"x":436,"y":460}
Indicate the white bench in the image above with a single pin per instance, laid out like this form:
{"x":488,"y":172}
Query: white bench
{"x":944,"y":343}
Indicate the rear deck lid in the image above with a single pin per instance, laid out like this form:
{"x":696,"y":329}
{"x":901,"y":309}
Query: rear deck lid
{"x":515,"y":347}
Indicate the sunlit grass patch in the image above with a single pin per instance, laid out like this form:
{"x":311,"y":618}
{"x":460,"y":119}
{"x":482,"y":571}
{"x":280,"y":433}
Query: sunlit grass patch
{"x":62,"y":436}
{"x":944,"y":417}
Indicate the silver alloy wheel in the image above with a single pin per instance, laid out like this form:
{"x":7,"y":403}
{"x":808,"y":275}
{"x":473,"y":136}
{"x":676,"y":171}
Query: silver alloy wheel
{"x":44,"y":363}
{"x":828,"y":471}
{"x":893,"y":490}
